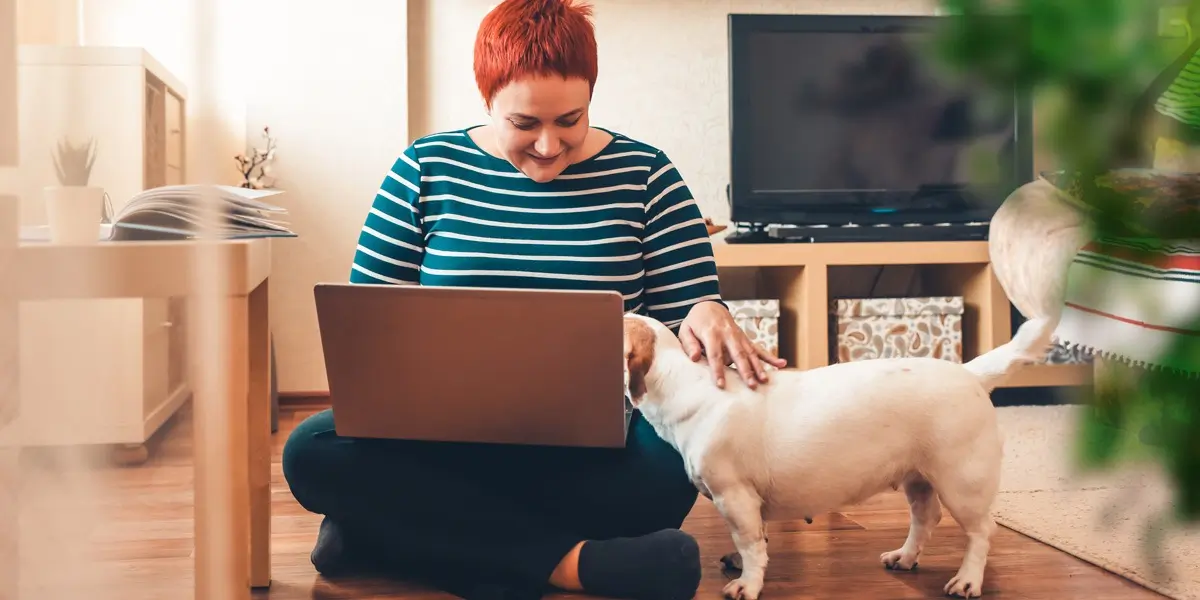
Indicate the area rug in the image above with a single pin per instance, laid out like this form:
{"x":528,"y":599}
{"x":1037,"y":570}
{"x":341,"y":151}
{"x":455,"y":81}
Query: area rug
{"x":1111,"y":519}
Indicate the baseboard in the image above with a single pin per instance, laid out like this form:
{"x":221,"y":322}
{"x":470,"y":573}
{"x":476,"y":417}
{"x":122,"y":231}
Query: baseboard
{"x":304,"y":398}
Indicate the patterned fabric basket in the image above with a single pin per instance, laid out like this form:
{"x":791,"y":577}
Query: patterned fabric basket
{"x":869,"y":328}
{"x":760,"y":320}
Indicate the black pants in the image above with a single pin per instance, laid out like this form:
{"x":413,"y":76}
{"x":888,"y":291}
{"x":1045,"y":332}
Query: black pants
{"x":505,"y":515}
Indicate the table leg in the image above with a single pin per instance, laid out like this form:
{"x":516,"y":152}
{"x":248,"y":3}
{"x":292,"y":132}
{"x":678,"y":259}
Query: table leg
{"x":259,"y":420}
{"x":10,"y":474}
{"x":10,"y":530}
{"x":220,"y":402}
{"x":10,"y":565}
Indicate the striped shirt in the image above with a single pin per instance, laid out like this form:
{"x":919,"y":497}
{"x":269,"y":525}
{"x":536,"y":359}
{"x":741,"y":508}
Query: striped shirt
{"x":450,"y":214}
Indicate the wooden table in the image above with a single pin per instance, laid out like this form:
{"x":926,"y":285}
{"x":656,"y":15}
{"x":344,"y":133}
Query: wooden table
{"x":224,"y":282}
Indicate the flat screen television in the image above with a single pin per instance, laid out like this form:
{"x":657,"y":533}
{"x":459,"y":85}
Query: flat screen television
{"x":847,"y":120}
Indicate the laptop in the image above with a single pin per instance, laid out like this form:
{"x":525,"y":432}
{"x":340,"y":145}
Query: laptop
{"x":482,"y":365}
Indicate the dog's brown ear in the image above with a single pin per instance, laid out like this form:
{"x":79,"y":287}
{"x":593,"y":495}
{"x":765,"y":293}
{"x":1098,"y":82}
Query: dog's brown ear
{"x":639,"y":356}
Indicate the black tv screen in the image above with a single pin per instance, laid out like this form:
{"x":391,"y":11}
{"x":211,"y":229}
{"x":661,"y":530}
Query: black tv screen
{"x":840,"y":119}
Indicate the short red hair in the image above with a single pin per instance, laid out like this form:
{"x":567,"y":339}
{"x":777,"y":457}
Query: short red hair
{"x":524,"y":38}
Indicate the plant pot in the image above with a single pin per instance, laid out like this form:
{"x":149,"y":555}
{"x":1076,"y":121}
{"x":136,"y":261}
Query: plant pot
{"x":74,"y":213}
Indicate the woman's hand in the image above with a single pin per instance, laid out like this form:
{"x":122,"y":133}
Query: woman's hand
{"x":710,"y":330}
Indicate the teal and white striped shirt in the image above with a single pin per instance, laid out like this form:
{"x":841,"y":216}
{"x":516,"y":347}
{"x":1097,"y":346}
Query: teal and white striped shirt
{"x":450,"y":214}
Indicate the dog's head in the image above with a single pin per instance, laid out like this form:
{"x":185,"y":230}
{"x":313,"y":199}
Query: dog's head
{"x":641,"y":341}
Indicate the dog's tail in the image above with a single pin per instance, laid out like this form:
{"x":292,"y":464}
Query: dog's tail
{"x":1028,"y":346}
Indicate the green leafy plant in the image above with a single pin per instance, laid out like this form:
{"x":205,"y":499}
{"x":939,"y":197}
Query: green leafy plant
{"x":73,"y":164}
{"x":1107,"y":79}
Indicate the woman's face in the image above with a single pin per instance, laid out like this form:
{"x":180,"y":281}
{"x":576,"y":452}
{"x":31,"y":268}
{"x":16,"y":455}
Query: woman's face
{"x":541,"y":123}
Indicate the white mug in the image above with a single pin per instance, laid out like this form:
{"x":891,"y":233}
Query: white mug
{"x":74,"y":213}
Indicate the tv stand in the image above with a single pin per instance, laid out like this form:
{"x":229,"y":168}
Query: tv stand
{"x":806,"y":277}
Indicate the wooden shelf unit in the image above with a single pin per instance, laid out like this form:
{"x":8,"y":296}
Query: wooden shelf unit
{"x":104,"y":370}
{"x":805,"y":277}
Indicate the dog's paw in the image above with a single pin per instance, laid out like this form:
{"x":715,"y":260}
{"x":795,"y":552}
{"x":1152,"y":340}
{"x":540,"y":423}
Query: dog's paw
{"x":740,"y":589}
{"x":731,"y":562}
{"x":899,"y":560}
{"x":965,"y":586}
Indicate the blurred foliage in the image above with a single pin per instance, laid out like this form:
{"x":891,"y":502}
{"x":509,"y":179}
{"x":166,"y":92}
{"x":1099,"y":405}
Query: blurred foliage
{"x":1096,"y":69}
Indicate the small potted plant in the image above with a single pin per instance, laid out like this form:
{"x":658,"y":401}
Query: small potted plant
{"x":74,"y":208}
{"x":256,"y":168}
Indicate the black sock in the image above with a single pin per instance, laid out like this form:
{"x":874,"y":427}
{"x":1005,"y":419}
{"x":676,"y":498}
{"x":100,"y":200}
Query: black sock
{"x":329,"y":555}
{"x":664,"y":565}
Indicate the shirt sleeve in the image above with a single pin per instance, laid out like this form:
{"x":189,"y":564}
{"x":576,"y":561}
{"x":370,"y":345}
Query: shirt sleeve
{"x":677,"y":255}
{"x":392,"y":242}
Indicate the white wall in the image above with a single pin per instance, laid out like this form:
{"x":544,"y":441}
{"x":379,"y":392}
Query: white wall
{"x":48,"y":21}
{"x":332,"y":83}
{"x":163,"y":27}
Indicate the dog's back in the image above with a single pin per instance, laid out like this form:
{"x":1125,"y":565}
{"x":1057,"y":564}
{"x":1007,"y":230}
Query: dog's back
{"x":867,"y":425}
{"x":908,"y":409}
{"x":901,"y":407}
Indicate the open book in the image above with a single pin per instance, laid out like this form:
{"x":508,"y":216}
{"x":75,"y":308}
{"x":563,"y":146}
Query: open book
{"x":182,"y":212}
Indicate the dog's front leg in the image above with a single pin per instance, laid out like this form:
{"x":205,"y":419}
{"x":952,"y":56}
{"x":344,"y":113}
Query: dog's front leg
{"x":741,"y":507}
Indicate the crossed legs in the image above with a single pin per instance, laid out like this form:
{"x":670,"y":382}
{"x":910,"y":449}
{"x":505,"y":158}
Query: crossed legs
{"x":515,"y":516}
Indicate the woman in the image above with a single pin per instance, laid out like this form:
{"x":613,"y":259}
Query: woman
{"x":537,"y":198}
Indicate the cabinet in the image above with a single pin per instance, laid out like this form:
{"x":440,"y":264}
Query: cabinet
{"x":98,"y":371}
{"x":104,"y":372}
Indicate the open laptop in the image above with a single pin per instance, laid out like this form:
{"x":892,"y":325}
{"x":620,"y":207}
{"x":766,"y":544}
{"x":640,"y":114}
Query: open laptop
{"x":503,"y":366}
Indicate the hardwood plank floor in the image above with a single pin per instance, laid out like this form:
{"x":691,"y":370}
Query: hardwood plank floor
{"x":138,"y":522}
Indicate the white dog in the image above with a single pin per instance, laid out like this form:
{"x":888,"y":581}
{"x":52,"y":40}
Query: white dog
{"x":812,"y":441}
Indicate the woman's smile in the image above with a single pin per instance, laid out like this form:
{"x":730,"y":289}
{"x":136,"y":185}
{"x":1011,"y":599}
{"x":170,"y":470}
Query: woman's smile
{"x":544,"y":161}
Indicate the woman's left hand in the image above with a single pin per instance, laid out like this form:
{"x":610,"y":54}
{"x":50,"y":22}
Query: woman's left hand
{"x":710,"y":330}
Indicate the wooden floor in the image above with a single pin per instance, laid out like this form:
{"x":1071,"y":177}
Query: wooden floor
{"x":142,"y":544}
